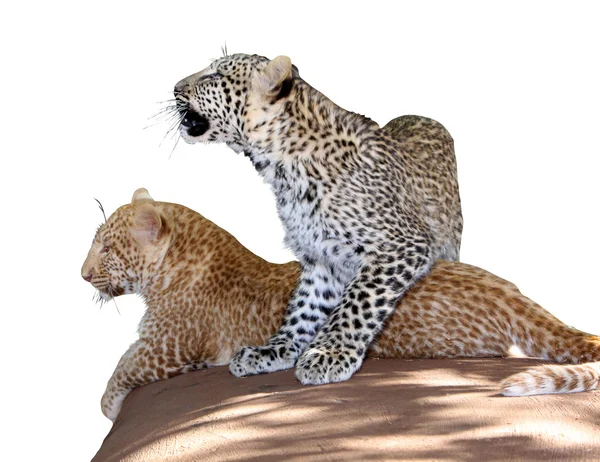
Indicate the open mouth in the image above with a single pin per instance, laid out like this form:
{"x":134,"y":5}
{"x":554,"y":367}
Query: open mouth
{"x":194,"y":123}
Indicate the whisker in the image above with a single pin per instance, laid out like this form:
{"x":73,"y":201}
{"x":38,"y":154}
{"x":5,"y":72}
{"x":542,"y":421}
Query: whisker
{"x":171,"y":111}
{"x":164,"y":118}
{"x":164,"y":112}
{"x":172,"y":130}
{"x":175,"y":122}
{"x":175,"y":132}
{"x":175,"y":145}
{"x":170,"y":100}
{"x":115,"y":302}
{"x":99,"y":300}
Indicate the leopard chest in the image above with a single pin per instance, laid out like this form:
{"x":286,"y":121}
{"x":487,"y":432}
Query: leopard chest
{"x":300,"y":211}
{"x":310,"y":232}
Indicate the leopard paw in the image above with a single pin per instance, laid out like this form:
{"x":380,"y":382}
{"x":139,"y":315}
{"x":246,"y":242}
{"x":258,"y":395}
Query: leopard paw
{"x":112,"y":402}
{"x":260,"y":360}
{"x":317,"y":366}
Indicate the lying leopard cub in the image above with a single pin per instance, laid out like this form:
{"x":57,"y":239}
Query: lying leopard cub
{"x":207,"y":296}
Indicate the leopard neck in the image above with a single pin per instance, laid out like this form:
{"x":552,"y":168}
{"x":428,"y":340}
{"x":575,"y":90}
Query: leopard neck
{"x":183,"y":251}
{"x":306,"y":129}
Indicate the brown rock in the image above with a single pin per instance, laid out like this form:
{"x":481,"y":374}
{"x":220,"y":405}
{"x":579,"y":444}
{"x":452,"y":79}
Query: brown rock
{"x":391,"y":410}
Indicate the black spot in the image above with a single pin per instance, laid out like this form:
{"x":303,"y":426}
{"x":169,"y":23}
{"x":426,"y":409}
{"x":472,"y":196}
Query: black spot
{"x":286,"y":88}
{"x":326,"y":310}
{"x":266,"y":352}
{"x":328,"y":294}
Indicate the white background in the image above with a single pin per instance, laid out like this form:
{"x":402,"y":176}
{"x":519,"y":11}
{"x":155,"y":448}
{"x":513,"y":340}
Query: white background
{"x":516,"y":84}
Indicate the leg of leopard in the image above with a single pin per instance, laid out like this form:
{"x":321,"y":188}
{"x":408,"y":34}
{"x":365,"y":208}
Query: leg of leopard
{"x":338,"y":350}
{"x":139,"y":366}
{"x":317,"y":294}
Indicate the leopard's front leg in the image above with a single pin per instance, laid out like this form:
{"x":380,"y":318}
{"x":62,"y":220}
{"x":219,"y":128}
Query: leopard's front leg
{"x":139,"y":366}
{"x":338,"y":350}
{"x":318,"y":292}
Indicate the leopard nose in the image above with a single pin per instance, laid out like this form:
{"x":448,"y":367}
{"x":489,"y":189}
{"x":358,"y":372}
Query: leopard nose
{"x":181,"y":86}
{"x":87,"y":275}
{"x":184,"y":84}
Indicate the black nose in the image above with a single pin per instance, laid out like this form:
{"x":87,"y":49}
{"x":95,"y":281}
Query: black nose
{"x":195,"y":123}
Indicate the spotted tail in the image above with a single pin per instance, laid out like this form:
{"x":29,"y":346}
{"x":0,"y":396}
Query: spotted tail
{"x":553,"y":379}
{"x":568,"y":345}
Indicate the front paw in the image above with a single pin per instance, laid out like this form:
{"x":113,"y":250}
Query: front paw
{"x":317,"y":366}
{"x":260,"y":360}
{"x":112,"y":402}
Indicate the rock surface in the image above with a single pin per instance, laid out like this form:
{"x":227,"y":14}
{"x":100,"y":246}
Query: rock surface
{"x":391,"y":410}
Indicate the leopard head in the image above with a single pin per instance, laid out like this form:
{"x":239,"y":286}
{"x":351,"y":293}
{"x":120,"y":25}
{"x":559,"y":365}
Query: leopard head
{"x":232,"y":99}
{"x":127,"y":248}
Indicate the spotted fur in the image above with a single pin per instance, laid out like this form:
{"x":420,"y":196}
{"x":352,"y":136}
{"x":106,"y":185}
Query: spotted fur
{"x":206,"y":296}
{"x":366,"y":210}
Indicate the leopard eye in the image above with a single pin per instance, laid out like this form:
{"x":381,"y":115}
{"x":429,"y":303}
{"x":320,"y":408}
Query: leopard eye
{"x":214,"y":75}
{"x":105,"y":248}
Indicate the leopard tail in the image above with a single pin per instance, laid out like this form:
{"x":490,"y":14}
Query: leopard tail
{"x":567,"y":345}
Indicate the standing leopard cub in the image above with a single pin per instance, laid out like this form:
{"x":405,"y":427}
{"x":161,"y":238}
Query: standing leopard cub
{"x":366,"y":210}
{"x":206,"y":295}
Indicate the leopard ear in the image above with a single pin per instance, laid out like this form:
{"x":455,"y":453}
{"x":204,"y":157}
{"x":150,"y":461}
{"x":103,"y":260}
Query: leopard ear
{"x":141,"y":195}
{"x":148,"y":226}
{"x":276,"y":80}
